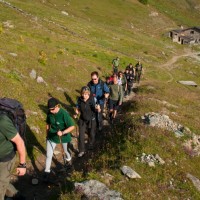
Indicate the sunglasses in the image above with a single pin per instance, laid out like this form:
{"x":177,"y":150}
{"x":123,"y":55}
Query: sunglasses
{"x":94,"y":79}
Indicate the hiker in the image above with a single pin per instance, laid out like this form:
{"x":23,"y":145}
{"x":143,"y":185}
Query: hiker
{"x":138,"y":71}
{"x":100,"y":91}
{"x":130,"y":81}
{"x":130,"y":67}
{"x":115,"y":98}
{"x":115,"y":65}
{"x":9,"y":136}
{"x":59,"y":125}
{"x":122,"y":81}
{"x":87,"y":121}
{"x":127,"y":75}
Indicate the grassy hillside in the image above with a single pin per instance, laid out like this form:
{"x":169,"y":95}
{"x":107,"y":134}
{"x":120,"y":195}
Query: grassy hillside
{"x":65,"y":40}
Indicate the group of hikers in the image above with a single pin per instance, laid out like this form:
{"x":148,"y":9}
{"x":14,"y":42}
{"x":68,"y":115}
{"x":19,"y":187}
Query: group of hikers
{"x":94,"y":98}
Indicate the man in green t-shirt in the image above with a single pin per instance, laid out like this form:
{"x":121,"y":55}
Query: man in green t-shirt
{"x":115,"y":65}
{"x":115,"y":98}
{"x":8,"y":136}
{"x":58,"y":128}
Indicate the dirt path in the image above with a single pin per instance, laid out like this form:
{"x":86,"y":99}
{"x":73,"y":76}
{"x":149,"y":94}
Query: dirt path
{"x":169,"y":65}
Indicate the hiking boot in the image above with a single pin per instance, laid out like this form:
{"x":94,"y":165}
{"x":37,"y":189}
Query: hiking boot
{"x":68,"y":159}
{"x":81,"y":154}
{"x":46,"y":176}
{"x":19,"y":196}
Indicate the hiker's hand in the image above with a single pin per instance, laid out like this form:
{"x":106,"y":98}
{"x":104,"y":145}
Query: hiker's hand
{"x":98,"y":108}
{"x":75,"y":116}
{"x":120,"y":103}
{"x":21,"y":171}
{"x":59,"y":133}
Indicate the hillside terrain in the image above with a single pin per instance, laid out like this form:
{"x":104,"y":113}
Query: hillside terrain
{"x":50,"y":47}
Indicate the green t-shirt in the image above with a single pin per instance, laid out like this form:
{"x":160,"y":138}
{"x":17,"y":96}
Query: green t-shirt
{"x":116,"y":93}
{"x":59,"y":121}
{"x":115,"y":62}
{"x":7,"y":132}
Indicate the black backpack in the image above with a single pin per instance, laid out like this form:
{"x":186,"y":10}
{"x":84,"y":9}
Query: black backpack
{"x":15,"y":111}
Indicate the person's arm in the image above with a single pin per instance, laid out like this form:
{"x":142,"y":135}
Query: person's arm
{"x":21,"y":169}
{"x":66,"y":131}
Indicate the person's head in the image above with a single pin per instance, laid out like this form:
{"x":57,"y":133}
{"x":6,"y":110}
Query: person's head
{"x":115,"y":79}
{"x":131,"y":71}
{"x":95,"y":77}
{"x":85,"y":92}
{"x":117,"y":58}
{"x":130,"y":65}
{"x":107,"y":79}
{"x":127,"y":70}
{"x":53,"y":105}
{"x":120,"y":74}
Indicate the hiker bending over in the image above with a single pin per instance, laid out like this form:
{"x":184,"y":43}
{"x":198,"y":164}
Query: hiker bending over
{"x":115,"y":98}
{"x":9,"y":136}
{"x":115,"y":65}
{"x":138,"y":71}
{"x":87,"y":121}
{"x":58,"y":129}
{"x":100,"y":92}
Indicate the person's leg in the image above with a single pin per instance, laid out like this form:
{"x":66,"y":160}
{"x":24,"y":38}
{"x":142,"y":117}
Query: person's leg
{"x":81,"y":141}
{"x":67,"y":153}
{"x":100,"y":117}
{"x":6,"y":188}
{"x":50,"y":148}
{"x":92,"y":134}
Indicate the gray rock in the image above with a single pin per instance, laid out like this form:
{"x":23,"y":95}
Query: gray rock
{"x":129,"y":172}
{"x":41,"y":80}
{"x":195,"y":181}
{"x":33,"y":74}
{"x":164,"y":122}
{"x":64,"y":13}
{"x":94,"y":189}
{"x":13,"y":54}
{"x":190,"y":83}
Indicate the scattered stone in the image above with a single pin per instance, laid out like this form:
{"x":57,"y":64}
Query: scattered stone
{"x":164,"y":122}
{"x":190,"y":83}
{"x":151,"y":159}
{"x":192,"y":146}
{"x":105,"y":123}
{"x":153,"y":14}
{"x":60,"y":89}
{"x":108,"y":178}
{"x":35,"y":129}
{"x":159,"y":159}
{"x":33,"y":74}
{"x":41,"y":80}
{"x":13,"y":54}
{"x":129,"y":172}
{"x":8,"y":24}
{"x":195,"y":181}
{"x":93,"y":189}
{"x":64,"y":13}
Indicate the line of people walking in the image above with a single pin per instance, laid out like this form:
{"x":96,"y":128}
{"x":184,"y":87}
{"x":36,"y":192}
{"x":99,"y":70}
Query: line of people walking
{"x":94,"y":97}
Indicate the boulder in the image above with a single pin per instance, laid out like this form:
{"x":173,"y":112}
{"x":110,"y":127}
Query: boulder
{"x":95,"y":189}
{"x":130,"y":173}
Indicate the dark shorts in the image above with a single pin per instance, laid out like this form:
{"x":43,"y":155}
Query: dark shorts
{"x":113,"y":105}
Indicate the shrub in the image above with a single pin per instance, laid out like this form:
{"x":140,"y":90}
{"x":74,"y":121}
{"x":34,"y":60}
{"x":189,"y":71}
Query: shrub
{"x":145,"y":2}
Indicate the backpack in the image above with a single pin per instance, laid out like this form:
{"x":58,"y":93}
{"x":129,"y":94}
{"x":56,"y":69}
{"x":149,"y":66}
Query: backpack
{"x":15,"y":111}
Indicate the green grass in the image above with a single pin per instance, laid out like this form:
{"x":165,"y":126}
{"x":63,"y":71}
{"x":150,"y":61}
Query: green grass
{"x":87,"y":40}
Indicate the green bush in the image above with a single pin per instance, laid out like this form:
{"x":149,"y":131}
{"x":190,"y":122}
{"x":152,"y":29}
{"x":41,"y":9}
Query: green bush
{"x":145,"y":2}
